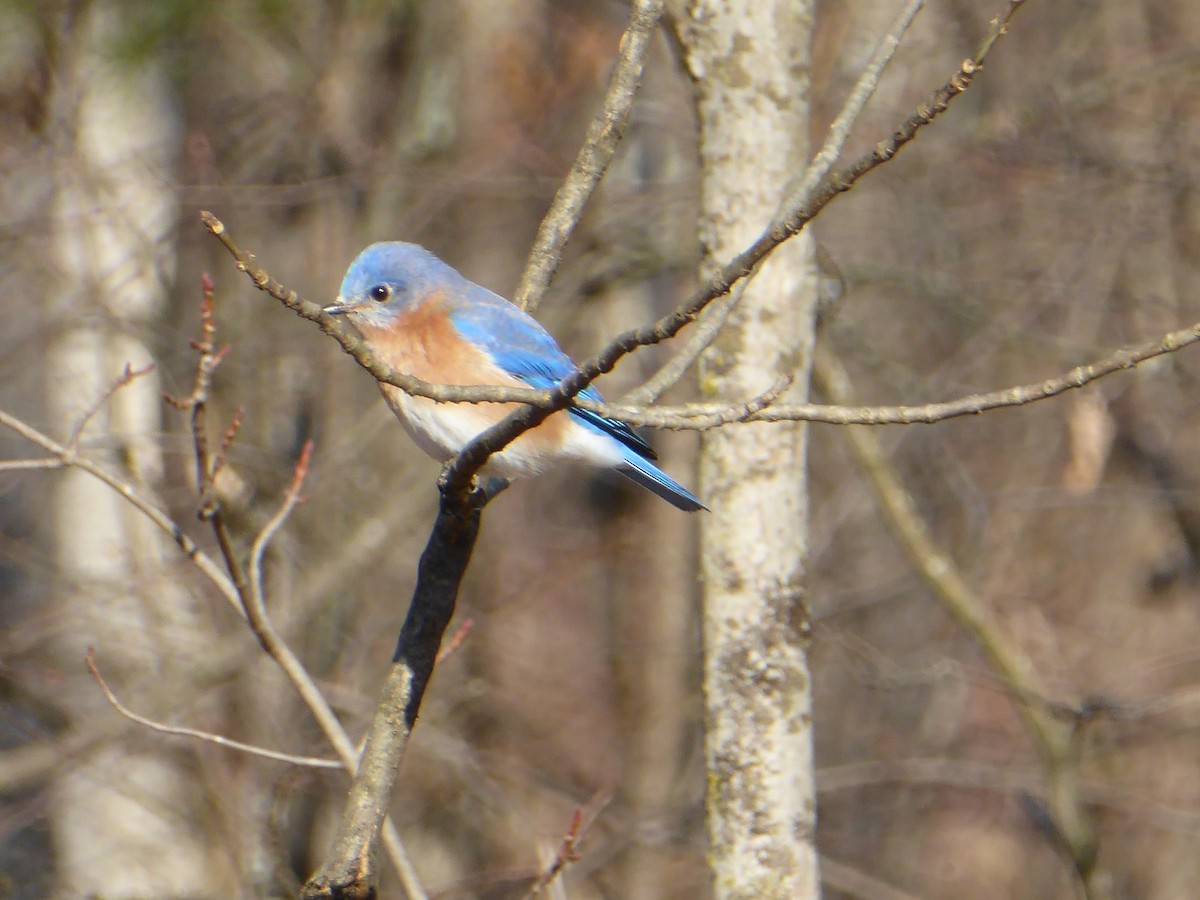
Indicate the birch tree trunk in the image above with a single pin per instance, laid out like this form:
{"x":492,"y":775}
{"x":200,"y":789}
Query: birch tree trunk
{"x":749,"y":60}
{"x":126,"y":816}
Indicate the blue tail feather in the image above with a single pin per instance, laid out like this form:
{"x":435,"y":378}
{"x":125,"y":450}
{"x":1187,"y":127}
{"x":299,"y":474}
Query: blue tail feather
{"x":640,"y":470}
{"x":637,"y":454}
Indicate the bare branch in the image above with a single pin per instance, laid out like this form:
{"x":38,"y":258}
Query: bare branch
{"x":311,"y":761}
{"x":704,"y":416}
{"x":839,"y":129}
{"x":352,"y":344}
{"x":25,"y":465}
{"x":545,"y":403}
{"x":698,"y":341}
{"x":1056,"y":743}
{"x":259,"y":547}
{"x":714,"y":319}
{"x":565,"y":855}
{"x":348,"y":869}
{"x":247,"y":579}
{"x":71,"y":458}
{"x":743,"y":266}
{"x":975,"y":775}
{"x":127,"y":376}
{"x":456,"y":640}
{"x":699,"y":417}
{"x":597,"y":152}
{"x":196,"y":402}
{"x":347,"y":872}
{"x":211,"y":464}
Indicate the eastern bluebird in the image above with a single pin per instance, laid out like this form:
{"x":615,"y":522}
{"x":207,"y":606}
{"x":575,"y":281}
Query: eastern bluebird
{"x":420,"y":316}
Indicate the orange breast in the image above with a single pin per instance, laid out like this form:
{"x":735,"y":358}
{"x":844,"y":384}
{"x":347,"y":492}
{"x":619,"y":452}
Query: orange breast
{"x":424,"y":343}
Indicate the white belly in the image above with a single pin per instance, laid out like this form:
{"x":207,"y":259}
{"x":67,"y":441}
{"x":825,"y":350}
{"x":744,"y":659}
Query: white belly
{"x":443,"y":429}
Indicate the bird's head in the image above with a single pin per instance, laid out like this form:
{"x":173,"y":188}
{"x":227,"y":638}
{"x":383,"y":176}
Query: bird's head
{"x":387,"y":279}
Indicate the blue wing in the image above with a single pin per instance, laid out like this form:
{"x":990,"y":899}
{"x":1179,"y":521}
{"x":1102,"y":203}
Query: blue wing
{"x":525,"y":350}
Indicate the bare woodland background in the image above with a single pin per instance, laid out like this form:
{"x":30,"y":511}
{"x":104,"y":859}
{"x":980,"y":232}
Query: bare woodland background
{"x":1054,"y":215}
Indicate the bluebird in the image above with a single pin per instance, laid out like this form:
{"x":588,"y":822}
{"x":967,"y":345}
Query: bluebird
{"x":420,"y":316}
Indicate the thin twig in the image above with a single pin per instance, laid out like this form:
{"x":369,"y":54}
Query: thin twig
{"x":744,"y":412}
{"x":546,"y":402}
{"x":699,"y":340}
{"x":197,"y":402}
{"x":311,"y":761}
{"x":128,"y":375}
{"x":247,"y":579}
{"x":456,"y":641}
{"x":699,"y":417}
{"x":703,"y":416}
{"x":974,"y":775}
{"x":594,"y":156}
{"x":1054,"y":741}
{"x":693,"y":417}
{"x":24,"y":465}
{"x":259,"y":547}
{"x":71,"y":458}
{"x":840,"y":128}
{"x":212,"y":463}
{"x":472,"y":457}
{"x":715,"y":317}
{"x":581,"y":822}
{"x":565,"y":855}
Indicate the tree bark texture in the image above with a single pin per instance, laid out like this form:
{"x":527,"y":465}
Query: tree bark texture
{"x":125,"y":818}
{"x":749,"y":61}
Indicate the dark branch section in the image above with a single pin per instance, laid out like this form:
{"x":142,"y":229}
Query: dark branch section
{"x":348,"y":871}
{"x":439,"y":574}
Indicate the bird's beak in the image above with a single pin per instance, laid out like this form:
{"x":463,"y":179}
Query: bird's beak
{"x":340,"y":307}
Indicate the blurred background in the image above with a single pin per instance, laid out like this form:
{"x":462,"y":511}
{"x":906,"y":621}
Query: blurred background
{"x":1050,"y":217}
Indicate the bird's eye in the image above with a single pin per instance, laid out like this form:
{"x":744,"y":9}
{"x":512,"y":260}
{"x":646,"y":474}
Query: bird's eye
{"x":380,"y":293}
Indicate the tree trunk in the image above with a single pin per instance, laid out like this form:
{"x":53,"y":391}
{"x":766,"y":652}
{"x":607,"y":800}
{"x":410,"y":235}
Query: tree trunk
{"x":750,"y":64}
{"x":126,"y":816}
